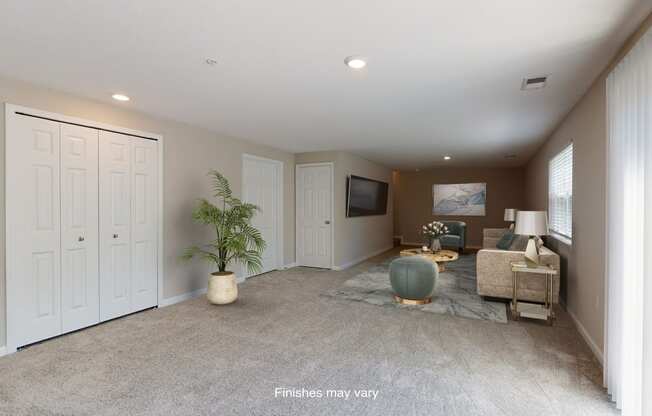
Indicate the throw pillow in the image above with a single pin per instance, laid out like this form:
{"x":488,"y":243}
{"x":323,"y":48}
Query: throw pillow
{"x":519,"y":243}
{"x":505,"y":241}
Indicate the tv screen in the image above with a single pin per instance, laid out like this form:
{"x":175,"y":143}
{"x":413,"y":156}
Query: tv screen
{"x":366,"y":197}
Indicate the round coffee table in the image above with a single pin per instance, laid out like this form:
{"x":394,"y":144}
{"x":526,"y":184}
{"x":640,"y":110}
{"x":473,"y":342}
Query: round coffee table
{"x":440,"y":257}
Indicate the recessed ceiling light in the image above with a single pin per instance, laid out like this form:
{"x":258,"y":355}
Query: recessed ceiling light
{"x":355,"y":62}
{"x":211,"y":61}
{"x":447,"y":158}
{"x":120,"y":97}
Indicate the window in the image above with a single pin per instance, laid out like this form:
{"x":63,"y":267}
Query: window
{"x":560,"y":193}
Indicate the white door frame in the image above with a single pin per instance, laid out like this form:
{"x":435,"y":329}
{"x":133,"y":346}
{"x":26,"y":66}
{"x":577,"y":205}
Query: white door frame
{"x":280,"y":167}
{"x":10,"y":115}
{"x":331,"y":165}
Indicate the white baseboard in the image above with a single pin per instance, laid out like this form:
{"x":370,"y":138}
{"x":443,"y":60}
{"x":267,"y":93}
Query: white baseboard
{"x":182,"y":297}
{"x":585,"y":334}
{"x":361,"y":259}
{"x":289,"y":266}
{"x":3,"y":351}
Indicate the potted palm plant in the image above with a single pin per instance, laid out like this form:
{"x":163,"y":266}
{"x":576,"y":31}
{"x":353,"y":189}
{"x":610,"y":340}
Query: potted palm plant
{"x":236,"y":241}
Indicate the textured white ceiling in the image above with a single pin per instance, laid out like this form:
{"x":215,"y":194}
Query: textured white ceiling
{"x":443,"y":76}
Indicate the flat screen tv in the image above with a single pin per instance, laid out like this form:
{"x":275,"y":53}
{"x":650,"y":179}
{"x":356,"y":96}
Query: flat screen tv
{"x":365,"y":197}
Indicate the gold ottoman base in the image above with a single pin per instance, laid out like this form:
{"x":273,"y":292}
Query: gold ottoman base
{"x":413,"y":301}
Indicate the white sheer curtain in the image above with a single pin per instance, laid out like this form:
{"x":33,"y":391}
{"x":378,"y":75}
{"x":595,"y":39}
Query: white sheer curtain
{"x":628,"y":345}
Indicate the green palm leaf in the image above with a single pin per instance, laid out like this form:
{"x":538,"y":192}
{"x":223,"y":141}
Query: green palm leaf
{"x":237,"y":241}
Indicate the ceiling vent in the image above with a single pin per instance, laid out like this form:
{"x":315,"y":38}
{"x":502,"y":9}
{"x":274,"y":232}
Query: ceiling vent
{"x":534,"y":83}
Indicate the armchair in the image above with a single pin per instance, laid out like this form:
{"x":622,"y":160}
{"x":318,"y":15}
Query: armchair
{"x":456,"y":237}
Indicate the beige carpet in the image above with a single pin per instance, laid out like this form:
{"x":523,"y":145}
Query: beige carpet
{"x":197,"y":359}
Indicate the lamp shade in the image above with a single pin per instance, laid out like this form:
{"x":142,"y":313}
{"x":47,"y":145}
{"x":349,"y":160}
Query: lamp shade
{"x":531,"y":223}
{"x":510,"y":214}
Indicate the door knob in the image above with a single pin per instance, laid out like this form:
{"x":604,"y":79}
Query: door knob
{"x":81,"y":238}
{"x":115,"y":236}
{"x":327,"y":222}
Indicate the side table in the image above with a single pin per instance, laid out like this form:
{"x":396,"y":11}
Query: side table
{"x":529,"y":309}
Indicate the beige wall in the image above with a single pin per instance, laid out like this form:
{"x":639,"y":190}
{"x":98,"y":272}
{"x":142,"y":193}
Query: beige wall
{"x":414,"y":198}
{"x":355,"y":238}
{"x":188,"y":154}
{"x":583,"y":270}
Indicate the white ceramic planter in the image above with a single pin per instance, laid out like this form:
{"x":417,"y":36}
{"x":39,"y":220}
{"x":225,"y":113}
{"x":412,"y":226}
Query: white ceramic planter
{"x":222,"y":288}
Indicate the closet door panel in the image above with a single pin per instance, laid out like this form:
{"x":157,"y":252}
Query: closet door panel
{"x":144,"y":223}
{"x":33,"y":221}
{"x":79,"y":227}
{"x":115,"y":225}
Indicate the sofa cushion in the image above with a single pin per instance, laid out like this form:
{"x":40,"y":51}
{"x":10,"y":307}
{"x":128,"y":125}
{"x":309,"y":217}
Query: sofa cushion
{"x":505,"y":241}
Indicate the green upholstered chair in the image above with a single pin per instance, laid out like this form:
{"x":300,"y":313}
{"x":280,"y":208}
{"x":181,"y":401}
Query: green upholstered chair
{"x":456,"y":237}
{"x":413,"y":279}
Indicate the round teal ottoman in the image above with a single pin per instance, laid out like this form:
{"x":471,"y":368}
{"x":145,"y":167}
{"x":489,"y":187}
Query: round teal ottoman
{"x":413,"y":279}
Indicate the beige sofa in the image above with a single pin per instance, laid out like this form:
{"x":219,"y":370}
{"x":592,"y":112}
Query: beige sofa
{"x":494,"y":272}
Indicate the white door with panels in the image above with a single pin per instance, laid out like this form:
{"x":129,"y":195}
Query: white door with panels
{"x":33,"y":219}
{"x":262,"y":186}
{"x":79,"y":227}
{"x":314,"y":215}
{"x":83,"y":225}
{"x":115,"y":225}
{"x":129,"y":224}
{"x":144,"y":223}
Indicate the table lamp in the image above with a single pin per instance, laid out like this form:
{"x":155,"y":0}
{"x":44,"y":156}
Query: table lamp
{"x":510,"y":216}
{"x":533,"y":224}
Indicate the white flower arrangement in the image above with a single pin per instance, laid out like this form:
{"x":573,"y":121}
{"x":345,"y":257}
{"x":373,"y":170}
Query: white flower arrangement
{"x":434,"y":230}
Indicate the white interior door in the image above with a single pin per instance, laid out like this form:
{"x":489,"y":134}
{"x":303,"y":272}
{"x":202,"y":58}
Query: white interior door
{"x":262,"y":186}
{"x":314,"y":215}
{"x":79,"y":228}
{"x":115,"y":227}
{"x":144,"y":223}
{"x":34,"y":231}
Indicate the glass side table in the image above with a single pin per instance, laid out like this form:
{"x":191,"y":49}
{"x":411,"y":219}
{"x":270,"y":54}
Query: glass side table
{"x":530,"y":309}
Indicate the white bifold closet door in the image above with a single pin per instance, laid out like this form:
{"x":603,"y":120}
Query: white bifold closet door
{"x":79,"y":227}
{"x":34,"y":254}
{"x":115,"y":225}
{"x":82,"y":225}
{"x":128,"y":224}
{"x":144,"y":223}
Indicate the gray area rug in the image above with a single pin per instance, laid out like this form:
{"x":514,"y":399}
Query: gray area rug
{"x":455,"y":292}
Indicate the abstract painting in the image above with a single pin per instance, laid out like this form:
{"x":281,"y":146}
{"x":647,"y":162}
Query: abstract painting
{"x":459,"y":199}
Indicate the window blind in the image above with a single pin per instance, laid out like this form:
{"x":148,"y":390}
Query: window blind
{"x":560,"y":193}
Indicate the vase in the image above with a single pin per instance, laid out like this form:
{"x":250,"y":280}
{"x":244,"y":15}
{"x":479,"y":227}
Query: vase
{"x":435,"y":244}
{"x":222,"y":288}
